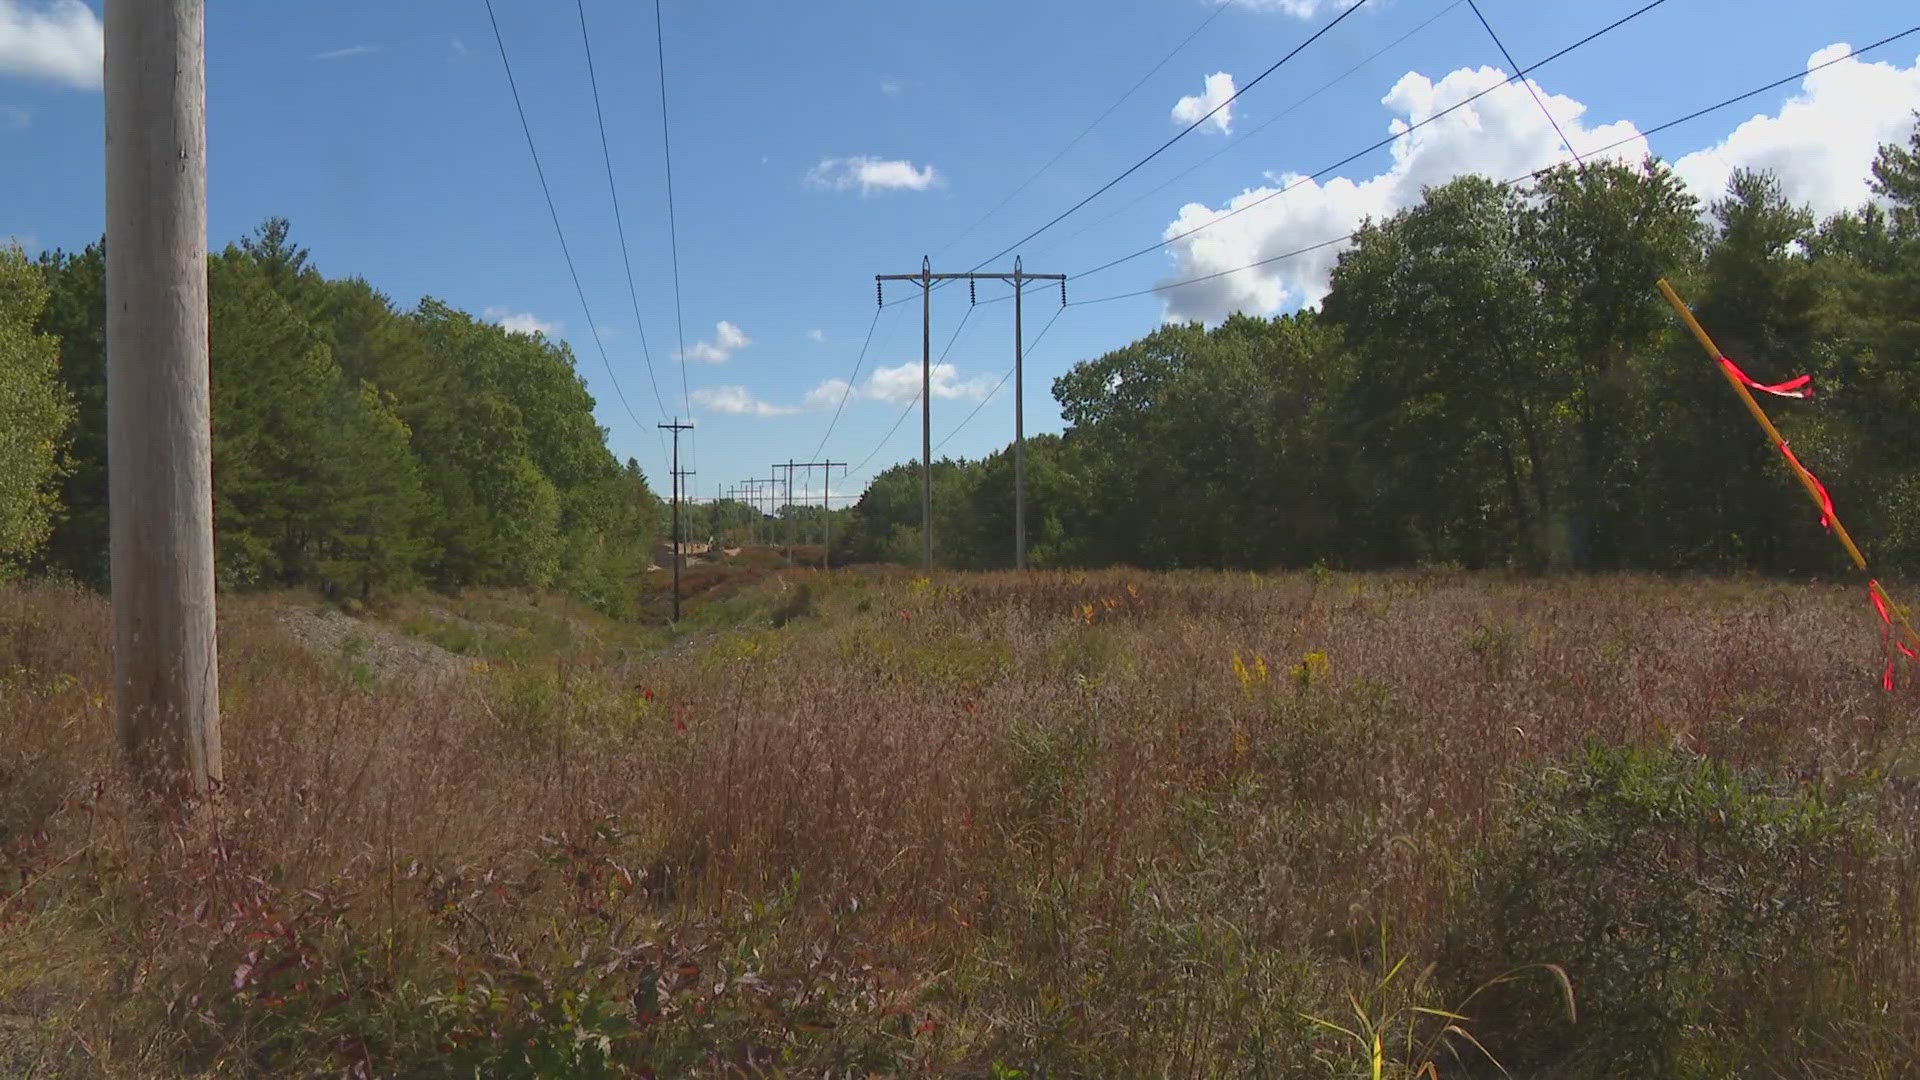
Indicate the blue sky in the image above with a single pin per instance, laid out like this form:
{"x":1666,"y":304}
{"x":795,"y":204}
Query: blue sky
{"x":815,"y":145}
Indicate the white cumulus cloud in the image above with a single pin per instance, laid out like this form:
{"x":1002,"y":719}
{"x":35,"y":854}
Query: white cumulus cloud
{"x":1219,"y":87}
{"x":521,"y":322}
{"x":737,"y":401}
{"x":1502,"y":135}
{"x":727,"y":340}
{"x":827,"y":395}
{"x":60,"y":40}
{"x":1821,"y":143}
{"x":1823,"y":140}
{"x":1299,"y":9}
{"x":901,"y":384}
{"x":817,"y":336}
{"x":871,"y":174}
{"x":349,"y":51}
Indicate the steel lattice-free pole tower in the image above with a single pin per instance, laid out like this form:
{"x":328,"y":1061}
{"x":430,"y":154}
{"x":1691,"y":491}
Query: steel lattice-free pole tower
{"x":1020,"y":278}
{"x":159,"y":446}
{"x":826,"y":534}
{"x":826,"y":511}
{"x":789,"y":466}
{"x":925,"y":279}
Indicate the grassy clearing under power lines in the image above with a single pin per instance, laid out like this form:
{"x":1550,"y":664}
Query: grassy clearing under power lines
{"x":1110,"y":824}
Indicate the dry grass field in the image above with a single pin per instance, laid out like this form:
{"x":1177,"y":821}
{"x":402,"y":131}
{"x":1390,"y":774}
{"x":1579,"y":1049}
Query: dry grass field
{"x":1102,"y":825}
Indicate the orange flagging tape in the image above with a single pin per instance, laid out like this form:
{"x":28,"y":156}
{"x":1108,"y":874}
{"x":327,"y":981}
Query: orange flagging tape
{"x":1896,"y":631}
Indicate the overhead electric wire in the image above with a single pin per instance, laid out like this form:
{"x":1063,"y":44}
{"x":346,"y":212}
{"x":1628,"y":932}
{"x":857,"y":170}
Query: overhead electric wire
{"x":962,"y":325}
{"x":1614,"y":145}
{"x":1235,"y":96}
{"x":1264,"y":125}
{"x":1030,"y":346}
{"x":851,"y":380}
{"x":1528,"y":83}
{"x":1396,"y":136}
{"x":626,"y":259}
{"x":673,"y":228}
{"x":1218,"y":10}
{"x":554,"y":212}
{"x":1775,"y":84}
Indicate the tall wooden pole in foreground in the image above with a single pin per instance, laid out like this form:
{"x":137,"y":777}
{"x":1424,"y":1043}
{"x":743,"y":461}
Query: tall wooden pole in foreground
{"x":159,"y":457}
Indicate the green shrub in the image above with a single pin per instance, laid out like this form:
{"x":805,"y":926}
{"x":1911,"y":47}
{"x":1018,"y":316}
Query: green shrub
{"x":795,"y":603}
{"x":1696,"y":909}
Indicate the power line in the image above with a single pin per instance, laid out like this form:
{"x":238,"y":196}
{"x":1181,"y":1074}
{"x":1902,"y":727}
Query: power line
{"x":1614,"y":145}
{"x":1531,"y":89}
{"x":1295,"y":51}
{"x":578,"y":289}
{"x":855,"y":377}
{"x":846,"y":394}
{"x":1777,"y":83}
{"x":1218,"y":10}
{"x":619,"y":222}
{"x":1264,"y":125}
{"x":1396,"y":136}
{"x":904,"y":413}
{"x":1219,"y":274}
{"x":673,"y":228}
{"x":1031,"y":345}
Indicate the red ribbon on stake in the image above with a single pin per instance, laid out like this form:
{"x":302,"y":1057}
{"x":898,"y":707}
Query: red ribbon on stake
{"x":1896,"y":630}
{"x":1886,"y":634}
{"x":1800,"y":387}
{"x":1826,"y":500}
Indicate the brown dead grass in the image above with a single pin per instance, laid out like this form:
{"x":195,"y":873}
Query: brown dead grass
{"x":923,"y":827}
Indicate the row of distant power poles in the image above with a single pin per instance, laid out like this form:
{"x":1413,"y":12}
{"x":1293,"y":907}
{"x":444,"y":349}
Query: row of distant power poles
{"x":762,"y":496}
{"x":159,"y":446}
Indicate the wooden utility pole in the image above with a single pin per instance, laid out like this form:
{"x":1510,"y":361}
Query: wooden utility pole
{"x":925,"y":279}
{"x":676,"y":427}
{"x":754,"y":488}
{"x":789,"y":466}
{"x":159,"y":450}
{"x":826,"y":534}
{"x":1019,"y":410}
{"x":826,"y":510}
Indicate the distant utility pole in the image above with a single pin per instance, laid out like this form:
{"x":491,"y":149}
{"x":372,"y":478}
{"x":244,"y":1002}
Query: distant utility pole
{"x":789,"y":466}
{"x":1019,"y":279}
{"x":754,"y":488}
{"x":773,"y":507}
{"x":826,"y":510}
{"x":925,"y":279}
{"x":826,"y":535}
{"x":160,"y":483}
{"x":676,"y":427}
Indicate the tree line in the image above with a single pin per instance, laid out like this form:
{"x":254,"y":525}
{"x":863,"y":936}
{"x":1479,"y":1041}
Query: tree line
{"x":1492,"y":380}
{"x":357,"y":446}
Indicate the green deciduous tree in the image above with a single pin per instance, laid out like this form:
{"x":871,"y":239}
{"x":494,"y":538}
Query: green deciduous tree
{"x":34,"y":413}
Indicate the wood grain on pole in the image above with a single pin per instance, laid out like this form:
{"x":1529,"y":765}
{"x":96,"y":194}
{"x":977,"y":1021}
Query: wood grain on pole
{"x":160,"y":484}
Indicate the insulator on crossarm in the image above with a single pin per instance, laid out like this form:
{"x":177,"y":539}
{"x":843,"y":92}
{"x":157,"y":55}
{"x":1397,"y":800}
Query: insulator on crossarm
{"x":879,"y":293}
{"x":1063,"y":292}
{"x":973,"y":294}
